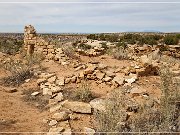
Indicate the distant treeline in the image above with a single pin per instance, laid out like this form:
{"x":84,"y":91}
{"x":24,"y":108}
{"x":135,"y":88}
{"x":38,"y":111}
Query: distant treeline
{"x":151,"y":39}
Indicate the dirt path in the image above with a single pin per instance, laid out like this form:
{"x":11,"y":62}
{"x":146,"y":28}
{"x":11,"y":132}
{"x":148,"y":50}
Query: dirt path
{"x":17,"y":116}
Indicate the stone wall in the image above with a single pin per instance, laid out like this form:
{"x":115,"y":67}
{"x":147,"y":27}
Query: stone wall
{"x":35,"y":44}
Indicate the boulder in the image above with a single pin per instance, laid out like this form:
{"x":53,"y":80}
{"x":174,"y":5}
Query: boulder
{"x":52,"y":122}
{"x":79,"y":107}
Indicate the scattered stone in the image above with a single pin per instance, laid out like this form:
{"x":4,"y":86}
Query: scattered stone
{"x":89,"y":70}
{"x":100,"y":75}
{"x":55,"y":130}
{"x":27,"y":80}
{"x":60,"y":81}
{"x":89,"y":131}
{"x":62,"y":116}
{"x":107,"y":79}
{"x":59,"y":97}
{"x":39,"y":81}
{"x":137,"y":90}
{"x":119,"y":80}
{"x":52,"y":122}
{"x":52,"y":79}
{"x":98,"y":104}
{"x":79,"y":107}
{"x":35,"y":93}
{"x":11,"y":90}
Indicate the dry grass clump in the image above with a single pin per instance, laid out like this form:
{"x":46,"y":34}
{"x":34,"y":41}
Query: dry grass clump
{"x":69,"y":51}
{"x":84,"y":93}
{"x":20,"y":72}
{"x":165,"y":118}
{"x":36,"y":58}
{"x":39,"y":101}
{"x":119,"y":53}
{"x":113,"y":118}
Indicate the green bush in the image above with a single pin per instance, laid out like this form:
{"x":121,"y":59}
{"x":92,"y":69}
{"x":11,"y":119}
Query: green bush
{"x":10,"y":46}
{"x":171,"y":40}
{"x":84,"y":46}
{"x":121,"y":44}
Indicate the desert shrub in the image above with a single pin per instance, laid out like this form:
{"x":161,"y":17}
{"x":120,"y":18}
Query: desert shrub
{"x":162,"y":119}
{"x":20,"y":72}
{"x":163,"y":48}
{"x":121,"y":44}
{"x":171,"y":40}
{"x":113,"y":118}
{"x":69,"y":51}
{"x":120,"y":53}
{"x":40,"y":101}
{"x":17,"y":78}
{"x":10,"y":46}
{"x":84,"y":46}
{"x":36,"y":58}
{"x":92,"y":36}
{"x":83,"y":94}
{"x":104,"y":45}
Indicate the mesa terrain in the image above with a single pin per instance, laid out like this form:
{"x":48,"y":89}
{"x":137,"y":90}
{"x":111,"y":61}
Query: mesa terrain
{"x":89,"y":83}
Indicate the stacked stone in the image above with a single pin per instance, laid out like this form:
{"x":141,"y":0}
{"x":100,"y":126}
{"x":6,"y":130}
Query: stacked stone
{"x":30,"y":38}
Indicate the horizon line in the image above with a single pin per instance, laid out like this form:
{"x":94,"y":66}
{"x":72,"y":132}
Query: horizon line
{"x":90,"y":2}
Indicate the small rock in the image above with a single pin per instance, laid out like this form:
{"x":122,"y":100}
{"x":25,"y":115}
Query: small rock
{"x":59,"y":97}
{"x":62,"y":116}
{"x":52,"y":122}
{"x":60,"y":81}
{"x":52,"y":79}
{"x":89,"y":70}
{"x":35,"y":93}
{"x":27,"y":80}
{"x":98,"y":104}
{"x":89,"y":131}
{"x":107,"y":79}
{"x":55,"y":131}
{"x":11,"y":90}
{"x":79,"y":107}
{"x":100,"y":75}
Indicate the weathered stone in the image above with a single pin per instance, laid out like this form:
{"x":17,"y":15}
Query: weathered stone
{"x":35,"y":93}
{"x":79,"y":107}
{"x":119,"y":80}
{"x":102,"y":66}
{"x":67,"y":80}
{"x":110,"y":73}
{"x":89,"y":70}
{"x":73,"y":79}
{"x":39,"y":81}
{"x":61,"y":116}
{"x":52,"y":122}
{"x":52,"y":79}
{"x":100,"y":75}
{"x":55,"y":131}
{"x":89,"y":131}
{"x":11,"y":90}
{"x":60,"y":81}
{"x":98,"y":104}
{"x":137,"y":90}
{"x":55,"y":89}
{"x":59,"y":97}
{"x":107,"y":79}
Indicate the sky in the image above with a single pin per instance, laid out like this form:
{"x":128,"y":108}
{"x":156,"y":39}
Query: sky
{"x":90,"y":16}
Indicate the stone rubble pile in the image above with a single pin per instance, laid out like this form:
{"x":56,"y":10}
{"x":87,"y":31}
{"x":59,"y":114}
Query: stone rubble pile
{"x":95,"y":51}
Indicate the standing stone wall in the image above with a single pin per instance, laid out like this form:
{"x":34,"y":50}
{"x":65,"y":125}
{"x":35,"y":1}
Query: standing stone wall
{"x":35,"y":44}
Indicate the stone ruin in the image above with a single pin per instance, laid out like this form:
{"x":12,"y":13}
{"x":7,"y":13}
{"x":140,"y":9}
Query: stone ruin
{"x":33,"y":43}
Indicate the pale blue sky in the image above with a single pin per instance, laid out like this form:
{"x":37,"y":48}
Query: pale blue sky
{"x":90,"y":17}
